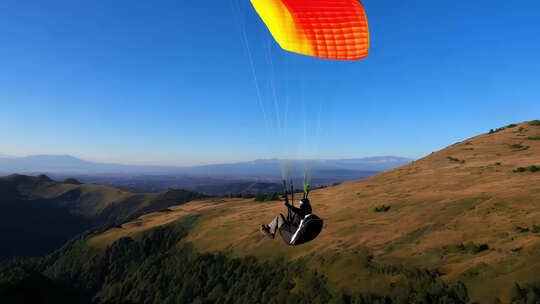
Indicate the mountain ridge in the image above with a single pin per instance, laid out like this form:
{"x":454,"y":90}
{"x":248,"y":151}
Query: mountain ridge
{"x":217,"y":179}
{"x":70,"y":164}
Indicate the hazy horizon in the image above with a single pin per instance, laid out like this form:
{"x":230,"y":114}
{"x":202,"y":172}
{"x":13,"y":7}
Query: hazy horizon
{"x":120,"y":162}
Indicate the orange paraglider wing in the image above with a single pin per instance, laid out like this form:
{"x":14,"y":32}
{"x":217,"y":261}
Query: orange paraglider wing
{"x":331,"y":29}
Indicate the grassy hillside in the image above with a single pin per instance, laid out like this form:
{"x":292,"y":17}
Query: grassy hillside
{"x":460,"y":225}
{"x":468,"y":211}
{"x":38,"y":214}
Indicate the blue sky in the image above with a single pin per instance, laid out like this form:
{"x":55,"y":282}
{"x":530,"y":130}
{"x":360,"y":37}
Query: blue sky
{"x":169,"y":82}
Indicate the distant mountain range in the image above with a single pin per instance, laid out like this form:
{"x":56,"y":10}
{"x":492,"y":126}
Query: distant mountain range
{"x":67,"y":164}
{"x":261,"y":175}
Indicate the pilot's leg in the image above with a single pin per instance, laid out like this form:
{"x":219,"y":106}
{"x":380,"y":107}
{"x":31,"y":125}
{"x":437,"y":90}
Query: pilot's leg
{"x":276,"y":224}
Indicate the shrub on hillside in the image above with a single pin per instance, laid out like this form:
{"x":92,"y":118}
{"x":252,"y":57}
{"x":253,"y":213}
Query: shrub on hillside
{"x":382,"y":208}
{"x":475,"y":248}
{"x":522,"y":229}
{"x":267,"y":197}
{"x":529,"y":293}
{"x":491,"y":131}
{"x":259,"y":197}
{"x":454,"y":248}
{"x":532,"y":169}
{"x":462,"y":161}
{"x":469,"y":247}
{"x":519,"y":147}
{"x":535,"y":123}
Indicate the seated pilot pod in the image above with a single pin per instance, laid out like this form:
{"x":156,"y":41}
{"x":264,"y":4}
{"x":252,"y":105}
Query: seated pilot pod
{"x":307,"y":230}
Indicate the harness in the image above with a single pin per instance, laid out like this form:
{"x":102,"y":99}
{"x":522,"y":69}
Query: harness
{"x":308,"y":228}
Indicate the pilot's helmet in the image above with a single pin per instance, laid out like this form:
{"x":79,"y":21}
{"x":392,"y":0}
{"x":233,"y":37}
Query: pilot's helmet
{"x":303,"y":201}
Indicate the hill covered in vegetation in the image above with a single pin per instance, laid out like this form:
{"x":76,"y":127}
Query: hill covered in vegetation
{"x":157,"y":266}
{"x":39,"y":215}
{"x":461,"y":225}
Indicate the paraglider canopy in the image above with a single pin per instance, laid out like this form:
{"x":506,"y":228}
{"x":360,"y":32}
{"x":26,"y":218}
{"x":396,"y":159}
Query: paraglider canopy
{"x":329,"y":29}
{"x":322,"y":28}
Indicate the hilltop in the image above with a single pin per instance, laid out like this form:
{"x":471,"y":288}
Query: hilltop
{"x":461,"y":224}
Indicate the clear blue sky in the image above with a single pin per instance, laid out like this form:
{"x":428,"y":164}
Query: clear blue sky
{"x":169,"y":82}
